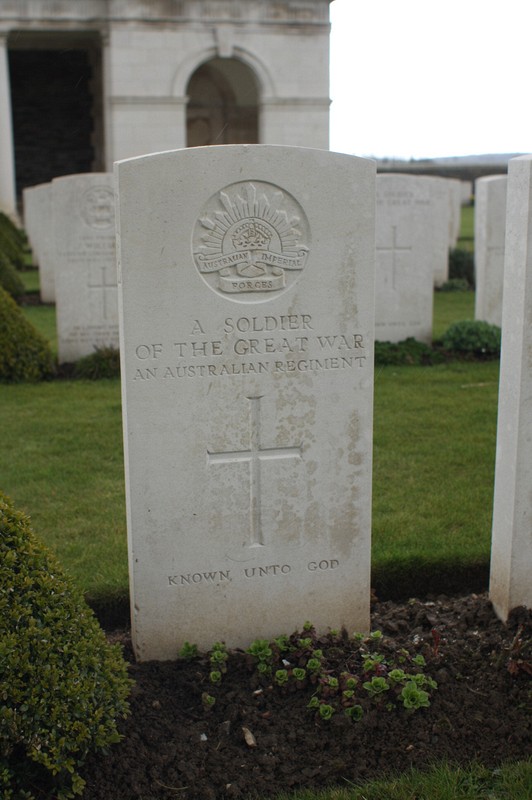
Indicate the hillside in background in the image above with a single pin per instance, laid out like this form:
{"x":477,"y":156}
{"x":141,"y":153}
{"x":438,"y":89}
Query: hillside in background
{"x":466,"y":168}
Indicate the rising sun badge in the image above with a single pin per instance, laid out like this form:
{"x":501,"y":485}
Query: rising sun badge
{"x":252,"y":238}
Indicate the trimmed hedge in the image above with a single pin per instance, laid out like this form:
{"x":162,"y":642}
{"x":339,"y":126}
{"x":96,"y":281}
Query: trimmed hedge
{"x":62,"y":685}
{"x":9,"y":277}
{"x":462,"y":266}
{"x":103,"y":363}
{"x":25,"y":355}
{"x":473,"y":337}
{"x":13,"y":243}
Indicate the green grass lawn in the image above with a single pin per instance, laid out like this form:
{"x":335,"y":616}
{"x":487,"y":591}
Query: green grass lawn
{"x":434,"y":441}
{"x":467,"y":228}
{"x":509,"y":782}
{"x":451,"y":307}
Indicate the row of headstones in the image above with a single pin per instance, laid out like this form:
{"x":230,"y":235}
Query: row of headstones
{"x":70,"y":224}
{"x":247,"y":329}
{"x":490,"y":233}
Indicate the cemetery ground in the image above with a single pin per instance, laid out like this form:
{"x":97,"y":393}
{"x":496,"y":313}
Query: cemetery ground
{"x":434,"y":443}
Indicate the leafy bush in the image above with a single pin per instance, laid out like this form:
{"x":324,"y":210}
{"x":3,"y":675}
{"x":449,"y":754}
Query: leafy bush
{"x":455,"y":285}
{"x":409,"y":351}
{"x":62,"y":685}
{"x":473,"y":337}
{"x":12,"y":242}
{"x":103,"y":363}
{"x":25,"y":355}
{"x":462,"y":266}
{"x":9,"y":278}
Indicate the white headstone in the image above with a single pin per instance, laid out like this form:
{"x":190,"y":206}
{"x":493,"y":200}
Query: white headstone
{"x":246,"y":303}
{"x":39,"y":227}
{"x":404,"y":282}
{"x":455,"y":201}
{"x":440,"y":201}
{"x":490,"y":226}
{"x":511,"y":556}
{"x":30,"y":218}
{"x":85,"y":264}
{"x":466,"y":191}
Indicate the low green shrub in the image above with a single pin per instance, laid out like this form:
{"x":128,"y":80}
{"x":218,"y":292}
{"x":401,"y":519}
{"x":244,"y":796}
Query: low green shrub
{"x":455,"y":285}
{"x":472,"y":337}
{"x":9,"y":277}
{"x":462,"y":266}
{"x":62,"y":685}
{"x":13,"y":243}
{"x":408,"y":352}
{"x":103,"y":363}
{"x":25,"y":355}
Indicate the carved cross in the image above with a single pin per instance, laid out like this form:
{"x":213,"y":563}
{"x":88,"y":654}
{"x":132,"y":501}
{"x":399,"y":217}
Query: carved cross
{"x":254,"y":456}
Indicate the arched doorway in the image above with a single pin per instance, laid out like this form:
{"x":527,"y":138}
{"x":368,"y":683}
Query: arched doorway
{"x":223,"y":100}
{"x":56,"y":99}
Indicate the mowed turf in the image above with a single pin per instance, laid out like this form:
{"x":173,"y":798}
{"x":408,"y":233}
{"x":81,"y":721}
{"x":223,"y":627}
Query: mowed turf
{"x":434,"y":443}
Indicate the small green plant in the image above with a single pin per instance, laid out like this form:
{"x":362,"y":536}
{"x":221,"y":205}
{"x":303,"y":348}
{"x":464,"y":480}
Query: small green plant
{"x":314,"y":664}
{"x":207,"y":701}
{"x":413,"y":697}
{"x":372,"y":661}
{"x":219,"y":656}
{"x":355,"y":712}
{"x":299,"y":674}
{"x":189,"y":651}
{"x":325,"y":711}
{"x":282,"y":643}
{"x":397,"y":676}
{"x":281,"y":677}
{"x":313,"y":702}
{"x":376,"y":686}
{"x":215,"y":677}
{"x":261,"y":651}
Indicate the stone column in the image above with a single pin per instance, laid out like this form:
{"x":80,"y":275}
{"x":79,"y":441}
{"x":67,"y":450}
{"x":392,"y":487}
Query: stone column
{"x":511,"y":554}
{"x":7,"y":156}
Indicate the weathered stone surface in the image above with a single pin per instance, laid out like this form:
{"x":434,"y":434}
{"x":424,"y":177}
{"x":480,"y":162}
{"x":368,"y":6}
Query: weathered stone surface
{"x":85,"y":264}
{"x":39,"y":227}
{"x":246,"y":294}
{"x":404,"y":282}
{"x":511,"y":556}
{"x":490,"y":226}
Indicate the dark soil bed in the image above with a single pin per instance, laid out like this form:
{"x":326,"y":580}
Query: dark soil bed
{"x":173,"y":748}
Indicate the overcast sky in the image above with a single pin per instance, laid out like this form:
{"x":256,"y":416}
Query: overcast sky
{"x":428,"y":78}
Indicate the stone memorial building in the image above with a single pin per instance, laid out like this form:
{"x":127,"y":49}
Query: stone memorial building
{"x":84,"y":83}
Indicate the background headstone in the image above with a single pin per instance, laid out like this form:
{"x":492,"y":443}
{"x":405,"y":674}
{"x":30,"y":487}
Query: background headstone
{"x":85,"y":264}
{"x":511,"y":556}
{"x":455,"y":200}
{"x":442,"y":227}
{"x":246,"y":298}
{"x":38,"y":222}
{"x":404,"y":283}
{"x":490,"y":225}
